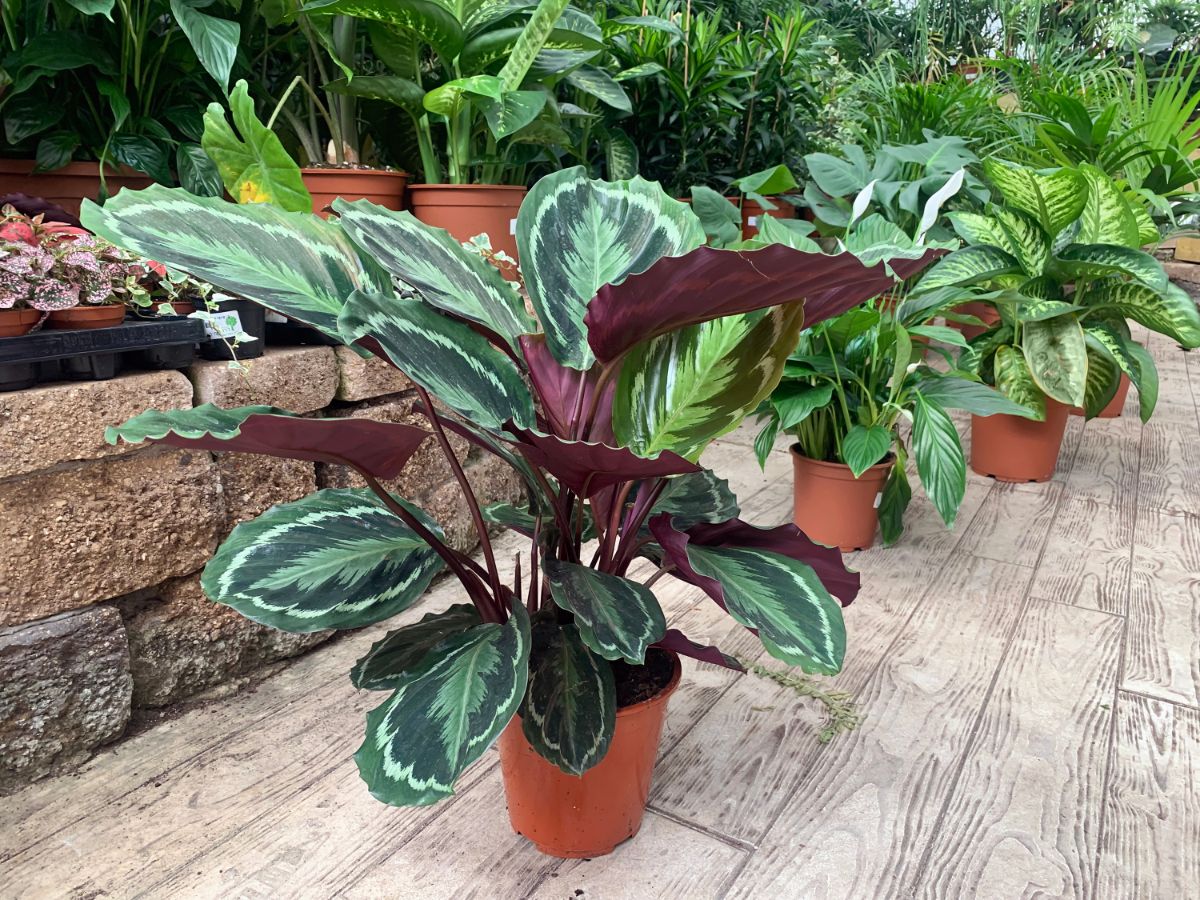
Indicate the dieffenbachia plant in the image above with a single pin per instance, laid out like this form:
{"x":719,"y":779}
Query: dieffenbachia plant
{"x":642,"y":348}
{"x":1060,"y":259}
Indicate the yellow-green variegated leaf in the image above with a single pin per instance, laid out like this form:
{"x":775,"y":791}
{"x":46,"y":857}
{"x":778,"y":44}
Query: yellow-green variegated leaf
{"x":1107,"y":217}
{"x":1170,"y":311}
{"x":446,"y":274}
{"x":1147,"y":383}
{"x":391,"y":660}
{"x":430,"y":20}
{"x":680,"y":390}
{"x":1014,"y":381}
{"x":446,"y":713}
{"x":1103,"y":378}
{"x":1055,"y":200}
{"x":969,"y":266}
{"x":335,"y":559}
{"x":796,"y":618}
{"x":1057,"y":357}
{"x":576,"y":235}
{"x":617,"y":618}
{"x":1090,"y":261}
{"x":976,"y":229}
{"x":1031,"y":245}
{"x":294,"y":263}
{"x":444,"y":356}
{"x":570,"y":711}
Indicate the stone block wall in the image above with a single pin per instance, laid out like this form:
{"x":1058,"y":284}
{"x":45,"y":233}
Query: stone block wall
{"x":101,"y":611}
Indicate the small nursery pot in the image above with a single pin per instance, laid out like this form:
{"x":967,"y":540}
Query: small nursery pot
{"x":988,"y":313}
{"x":833,"y":507}
{"x":16,"y":322}
{"x":78,"y":318}
{"x":466,"y":210}
{"x":1113,"y":409}
{"x":752,"y":211}
{"x":588,"y":815}
{"x":1011,"y":448}
{"x":384,"y":187}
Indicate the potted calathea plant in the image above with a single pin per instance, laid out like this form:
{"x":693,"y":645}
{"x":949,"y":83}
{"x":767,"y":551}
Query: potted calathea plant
{"x":601,"y":402}
{"x":1059,"y":260}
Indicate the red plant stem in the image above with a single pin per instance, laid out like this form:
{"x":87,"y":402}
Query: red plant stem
{"x":472,"y":503}
{"x":589,"y":420}
{"x":630,"y":542}
{"x":614,"y":523}
{"x":662,"y":570}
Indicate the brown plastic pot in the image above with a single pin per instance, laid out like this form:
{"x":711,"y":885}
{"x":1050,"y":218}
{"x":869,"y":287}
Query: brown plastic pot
{"x":78,"y":318}
{"x":985,"y":311}
{"x":1011,"y":448}
{"x":1114,"y":407}
{"x":381,"y":186}
{"x":16,"y":322}
{"x":69,"y":185}
{"x":833,"y":507}
{"x":752,"y":212}
{"x":466,"y":210}
{"x":588,"y":815}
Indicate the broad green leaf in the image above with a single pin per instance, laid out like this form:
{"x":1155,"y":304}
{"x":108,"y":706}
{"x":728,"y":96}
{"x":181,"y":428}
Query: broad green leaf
{"x":620,"y":155}
{"x":896,"y":496}
{"x":1040,"y":310}
{"x":391,"y":660}
{"x":197,"y":172}
{"x":214,"y":40}
{"x":979,"y":399}
{"x":1057,"y":357}
{"x":617,"y":618}
{"x":969,"y":266}
{"x":253,"y":163}
{"x":1147,"y":383}
{"x":335,"y":559}
{"x":864,"y":446}
{"x":1170,"y":311}
{"x":430,"y":20}
{"x":697,"y":497}
{"x":569,"y":714}
{"x":787,"y":232}
{"x":1031,"y":245}
{"x":939,"y":456}
{"x":1107,"y":217}
{"x":1091,"y":261}
{"x":1115,"y":345}
{"x":796,"y":618}
{"x":1103,"y":378}
{"x":449,"y":98}
{"x":764,"y":441}
{"x":722,"y":221}
{"x":1015,"y":382}
{"x":795,"y":401}
{"x":513,"y":111}
{"x":576,"y":234}
{"x":1054,"y":200}
{"x":296,"y":264}
{"x":444,"y":356}
{"x":597,"y":83}
{"x":393,"y":89}
{"x":680,"y":390}
{"x":943,"y":334}
{"x":445,"y":273}
{"x":977,"y":229}
{"x":768,"y":182}
{"x":446,"y":713}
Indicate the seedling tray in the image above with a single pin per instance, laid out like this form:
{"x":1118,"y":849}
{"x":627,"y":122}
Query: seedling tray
{"x":96,"y":354}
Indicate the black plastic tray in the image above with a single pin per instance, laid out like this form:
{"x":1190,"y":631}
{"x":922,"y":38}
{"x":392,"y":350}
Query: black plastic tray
{"x":289,"y":334}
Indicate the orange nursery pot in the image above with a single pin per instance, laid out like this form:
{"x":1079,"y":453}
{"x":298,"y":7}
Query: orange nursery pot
{"x":67,"y":187}
{"x":78,"y":318}
{"x":1011,"y":448}
{"x":752,"y":211}
{"x":588,"y":815}
{"x":832,"y":506}
{"x":16,"y":322}
{"x":985,"y":311}
{"x":1112,"y":409}
{"x":466,"y":210}
{"x":327,"y":183}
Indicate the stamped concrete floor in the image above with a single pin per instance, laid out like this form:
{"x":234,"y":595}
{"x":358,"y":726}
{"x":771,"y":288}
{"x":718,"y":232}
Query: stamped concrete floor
{"x":1030,"y":683}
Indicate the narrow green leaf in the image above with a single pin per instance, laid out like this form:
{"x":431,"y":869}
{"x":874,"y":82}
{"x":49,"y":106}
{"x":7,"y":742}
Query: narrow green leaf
{"x":1015,"y":382}
{"x":939,"y":456}
{"x":1147,"y":383}
{"x":1171,"y":311}
{"x":896,"y":496}
{"x":597,"y":83}
{"x":214,"y":40}
{"x":969,"y":266}
{"x":958,"y":393}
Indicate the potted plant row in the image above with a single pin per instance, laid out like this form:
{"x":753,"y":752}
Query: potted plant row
{"x":569,"y":662}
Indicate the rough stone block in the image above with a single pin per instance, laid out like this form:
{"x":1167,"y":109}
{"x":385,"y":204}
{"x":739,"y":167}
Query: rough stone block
{"x":363,"y":379}
{"x":1186,"y":274}
{"x":298,"y":379}
{"x":251,"y":484}
{"x":44,"y":426}
{"x":492,"y":481}
{"x":82,"y":534}
{"x":181,"y":643}
{"x":64,"y":690}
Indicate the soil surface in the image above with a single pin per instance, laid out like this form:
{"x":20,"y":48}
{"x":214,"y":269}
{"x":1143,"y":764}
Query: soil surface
{"x":638,"y":683}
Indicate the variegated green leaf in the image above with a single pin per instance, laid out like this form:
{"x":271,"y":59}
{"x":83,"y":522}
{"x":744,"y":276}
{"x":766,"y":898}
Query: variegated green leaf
{"x":576,"y":234}
{"x":1089,"y":261}
{"x":1170,"y":311}
{"x":939,"y":456}
{"x":1114,"y":344}
{"x":533,"y":38}
{"x":294,"y":263}
{"x":1040,"y":310}
{"x":1103,"y":378}
{"x":1147,"y":383}
{"x":451,"y":98}
{"x":444,"y":356}
{"x":680,"y":390}
{"x":1054,"y":200}
{"x":599,"y":84}
{"x":1107,"y":217}
{"x":796,"y":618}
{"x":1057,"y":357}
{"x":697,"y":497}
{"x":969,"y":266}
{"x":446,"y":713}
{"x":617,"y":618}
{"x":977,"y":229}
{"x":430,"y":20}
{"x":446,"y":274}
{"x":513,"y":111}
{"x":335,"y":559}
{"x":570,"y":711}
{"x":1031,"y":246}
{"x":391,"y":660}
{"x":1014,"y":381}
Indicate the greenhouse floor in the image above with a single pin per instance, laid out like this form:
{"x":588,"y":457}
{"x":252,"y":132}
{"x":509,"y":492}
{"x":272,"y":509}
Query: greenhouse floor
{"x":1030,"y":685}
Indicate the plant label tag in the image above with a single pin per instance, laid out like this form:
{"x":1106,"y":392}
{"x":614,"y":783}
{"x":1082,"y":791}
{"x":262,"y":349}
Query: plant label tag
{"x":878,"y":499}
{"x":752,"y":221}
{"x":223,"y":325}
{"x":512,"y":227}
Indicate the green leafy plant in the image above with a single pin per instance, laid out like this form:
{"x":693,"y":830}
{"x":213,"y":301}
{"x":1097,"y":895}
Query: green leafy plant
{"x":1059,"y":259}
{"x":601,"y":401}
{"x":721,"y":215}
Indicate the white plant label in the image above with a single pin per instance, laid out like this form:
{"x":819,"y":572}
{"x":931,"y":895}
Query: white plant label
{"x":878,"y":499}
{"x":512,"y":227}
{"x":752,"y":221}
{"x":223,"y":325}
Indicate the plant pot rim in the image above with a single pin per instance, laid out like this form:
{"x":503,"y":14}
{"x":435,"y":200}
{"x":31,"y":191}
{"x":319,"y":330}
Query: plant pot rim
{"x":352,"y":170}
{"x":467,"y":187}
{"x":841,"y":468}
{"x":23,"y":312}
{"x":82,"y":167}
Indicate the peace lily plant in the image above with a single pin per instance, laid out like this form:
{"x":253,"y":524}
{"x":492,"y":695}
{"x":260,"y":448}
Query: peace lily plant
{"x":643,"y":346}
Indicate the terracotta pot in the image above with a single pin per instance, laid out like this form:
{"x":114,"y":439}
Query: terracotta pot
{"x":79,"y":317}
{"x":751,"y":211}
{"x":1114,"y":407}
{"x":381,"y":186}
{"x":583,"y":816}
{"x":466,"y":210}
{"x":985,"y":311}
{"x":178,"y":307}
{"x":16,"y":322}
{"x":833,"y":507}
{"x":69,"y":185}
{"x":1010,"y":448}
